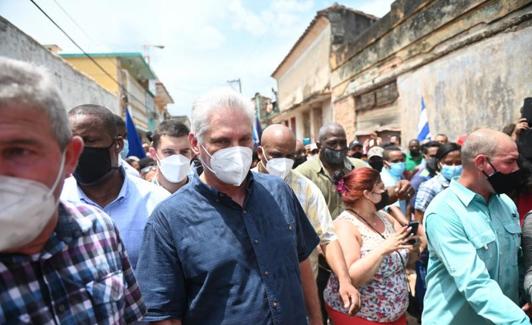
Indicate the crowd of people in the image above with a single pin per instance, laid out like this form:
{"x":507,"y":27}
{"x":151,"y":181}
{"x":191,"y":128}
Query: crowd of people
{"x":212,"y":228}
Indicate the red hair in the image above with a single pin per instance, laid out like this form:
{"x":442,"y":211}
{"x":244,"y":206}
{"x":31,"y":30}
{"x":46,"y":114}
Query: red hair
{"x":357,"y":181}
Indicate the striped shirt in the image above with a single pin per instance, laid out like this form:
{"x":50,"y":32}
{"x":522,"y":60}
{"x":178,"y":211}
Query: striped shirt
{"x":82,"y":275}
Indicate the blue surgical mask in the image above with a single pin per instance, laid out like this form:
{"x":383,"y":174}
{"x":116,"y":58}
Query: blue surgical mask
{"x":125,"y":150}
{"x":397,"y":169}
{"x":450,"y":172}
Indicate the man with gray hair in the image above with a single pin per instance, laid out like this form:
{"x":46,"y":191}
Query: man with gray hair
{"x":231,"y":246}
{"x":60,"y":263}
{"x":474,"y":238}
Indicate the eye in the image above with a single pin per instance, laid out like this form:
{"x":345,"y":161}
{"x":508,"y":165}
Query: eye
{"x":17,"y":152}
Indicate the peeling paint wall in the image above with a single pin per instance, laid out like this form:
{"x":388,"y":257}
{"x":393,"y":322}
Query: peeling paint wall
{"x":470,"y":60}
{"x":482,"y":85}
{"x":75,"y":87}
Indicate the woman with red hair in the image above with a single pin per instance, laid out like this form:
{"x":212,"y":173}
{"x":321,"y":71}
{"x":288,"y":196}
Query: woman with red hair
{"x":376,"y":249}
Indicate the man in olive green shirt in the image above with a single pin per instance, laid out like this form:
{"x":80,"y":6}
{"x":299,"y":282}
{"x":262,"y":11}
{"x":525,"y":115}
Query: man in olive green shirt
{"x":332,"y":163}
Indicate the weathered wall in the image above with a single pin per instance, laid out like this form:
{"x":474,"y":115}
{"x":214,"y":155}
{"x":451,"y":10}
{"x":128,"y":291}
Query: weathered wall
{"x":75,"y":88}
{"x":479,"y":86}
{"x":470,"y":59}
{"x":309,"y":73}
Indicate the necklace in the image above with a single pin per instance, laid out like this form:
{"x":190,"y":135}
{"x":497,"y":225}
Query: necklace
{"x":366,"y":222}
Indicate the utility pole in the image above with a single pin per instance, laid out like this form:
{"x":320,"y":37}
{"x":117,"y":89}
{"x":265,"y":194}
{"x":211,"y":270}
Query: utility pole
{"x":230,"y":82}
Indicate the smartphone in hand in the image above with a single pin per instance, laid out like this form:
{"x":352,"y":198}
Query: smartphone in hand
{"x":413,"y":225}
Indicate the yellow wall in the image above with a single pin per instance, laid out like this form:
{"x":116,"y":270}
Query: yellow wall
{"x":86,"y":66}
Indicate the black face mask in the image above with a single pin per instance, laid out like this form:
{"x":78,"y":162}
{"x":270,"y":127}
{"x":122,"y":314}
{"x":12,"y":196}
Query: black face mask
{"x":504,"y":183}
{"x":357,"y":155}
{"x":383,"y":202}
{"x":94,"y":164}
{"x":334,"y":157}
{"x":298,"y":161}
{"x":376,"y":164}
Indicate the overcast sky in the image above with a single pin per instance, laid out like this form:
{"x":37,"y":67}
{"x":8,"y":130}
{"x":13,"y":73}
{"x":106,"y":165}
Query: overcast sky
{"x":207,"y":42}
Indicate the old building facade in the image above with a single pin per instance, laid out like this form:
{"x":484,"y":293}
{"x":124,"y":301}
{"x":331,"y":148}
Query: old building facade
{"x":304,"y":76}
{"x":469,"y":61}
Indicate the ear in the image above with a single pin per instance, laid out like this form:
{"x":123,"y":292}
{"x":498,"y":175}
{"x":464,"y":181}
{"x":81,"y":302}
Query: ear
{"x":260,"y":153}
{"x":72,"y":152}
{"x":481,"y":163}
{"x":119,"y":144}
{"x":194,"y":144}
{"x":153,"y":153}
{"x":318,"y":144}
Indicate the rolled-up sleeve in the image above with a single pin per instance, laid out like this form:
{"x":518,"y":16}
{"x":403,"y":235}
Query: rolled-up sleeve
{"x":159,"y":273}
{"x":527,"y":250}
{"x":449,"y":242}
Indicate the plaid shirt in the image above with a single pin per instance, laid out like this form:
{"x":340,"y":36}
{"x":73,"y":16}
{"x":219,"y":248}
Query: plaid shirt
{"x":82,"y":276}
{"x":428,"y":190}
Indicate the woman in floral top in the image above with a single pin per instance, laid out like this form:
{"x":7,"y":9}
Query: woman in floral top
{"x":376,"y":250}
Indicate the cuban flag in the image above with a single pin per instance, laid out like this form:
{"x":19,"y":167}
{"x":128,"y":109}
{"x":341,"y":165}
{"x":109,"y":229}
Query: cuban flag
{"x":135,"y":146}
{"x":423,"y":131}
{"x":257,"y":131}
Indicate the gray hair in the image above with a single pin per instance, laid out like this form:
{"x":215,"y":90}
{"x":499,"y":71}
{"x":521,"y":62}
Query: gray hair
{"x":24,"y":83}
{"x":482,"y":141}
{"x":206,"y":105}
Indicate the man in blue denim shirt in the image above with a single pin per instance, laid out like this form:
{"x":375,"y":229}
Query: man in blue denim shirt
{"x":230,"y":247}
{"x":474,"y":238}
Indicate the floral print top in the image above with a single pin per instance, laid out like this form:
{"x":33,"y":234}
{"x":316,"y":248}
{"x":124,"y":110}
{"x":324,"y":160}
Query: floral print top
{"x":385,"y":297}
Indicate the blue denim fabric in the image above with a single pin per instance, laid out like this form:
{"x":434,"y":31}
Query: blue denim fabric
{"x":206,"y":260}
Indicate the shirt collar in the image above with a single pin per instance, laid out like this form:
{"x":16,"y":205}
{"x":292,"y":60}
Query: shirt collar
{"x":463,"y":193}
{"x":123,"y":190}
{"x":443,"y":181}
{"x":212,"y":193}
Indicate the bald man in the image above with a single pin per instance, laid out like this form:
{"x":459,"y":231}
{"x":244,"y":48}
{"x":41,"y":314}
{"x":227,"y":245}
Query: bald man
{"x":474,"y":238}
{"x":277,"y":153}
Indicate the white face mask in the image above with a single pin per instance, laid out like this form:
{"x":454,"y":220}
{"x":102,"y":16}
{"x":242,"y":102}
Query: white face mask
{"x":278,"y":166}
{"x":26,"y":207}
{"x":230,"y":165}
{"x":174,"y":168}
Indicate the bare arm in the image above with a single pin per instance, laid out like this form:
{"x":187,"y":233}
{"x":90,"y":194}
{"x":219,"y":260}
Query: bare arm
{"x":168,"y":322}
{"x":398,"y":215}
{"x":348,"y":293}
{"x":310,"y":292}
{"x":362,"y":270}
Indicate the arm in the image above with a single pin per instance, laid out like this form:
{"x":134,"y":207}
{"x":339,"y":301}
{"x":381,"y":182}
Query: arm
{"x":398,"y":215}
{"x":349,"y":294}
{"x":449,"y":242}
{"x":310,"y":292}
{"x":362,"y":270}
{"x":159,"y":273}
{"x":168,"y":322}
{"x":527,"y":251}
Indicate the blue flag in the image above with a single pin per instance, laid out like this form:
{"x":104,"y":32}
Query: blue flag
{"x":257,"y":131}
{"x":423,"y":131}
{"x":135,"y":146}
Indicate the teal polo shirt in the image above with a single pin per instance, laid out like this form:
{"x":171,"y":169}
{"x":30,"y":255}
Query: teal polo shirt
{"x":472,"y":275}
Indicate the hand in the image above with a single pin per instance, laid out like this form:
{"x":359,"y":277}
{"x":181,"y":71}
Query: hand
{"x":527,"y":309}
{"x":404,"y":190}
{"x":520,"y":126}
{"x":350,"y":296}
{"x":397,"y":241}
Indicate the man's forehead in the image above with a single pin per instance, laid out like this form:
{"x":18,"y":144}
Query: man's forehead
{"x":168,"y":141}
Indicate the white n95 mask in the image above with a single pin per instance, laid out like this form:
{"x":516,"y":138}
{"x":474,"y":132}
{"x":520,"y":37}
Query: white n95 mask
{"x":231,"y":165}
{"x":279,"y":166}
{"x":26,"y":207}
{"x":174,"y":168}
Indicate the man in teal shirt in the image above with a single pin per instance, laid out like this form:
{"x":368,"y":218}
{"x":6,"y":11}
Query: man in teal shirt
{"x":474,"y":239}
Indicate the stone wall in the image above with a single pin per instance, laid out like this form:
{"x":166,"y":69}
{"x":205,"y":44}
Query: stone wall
{"x":469,"y":59}
{"x":75,"y":87}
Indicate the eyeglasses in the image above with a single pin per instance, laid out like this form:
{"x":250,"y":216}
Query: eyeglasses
{"x":148,"y":169}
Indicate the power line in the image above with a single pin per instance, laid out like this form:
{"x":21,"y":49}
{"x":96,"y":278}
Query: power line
{"x":73,"y":21}
{"x":86,"y":54}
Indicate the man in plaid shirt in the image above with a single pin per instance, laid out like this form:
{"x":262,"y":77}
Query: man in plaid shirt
{"x":59,"y":263}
